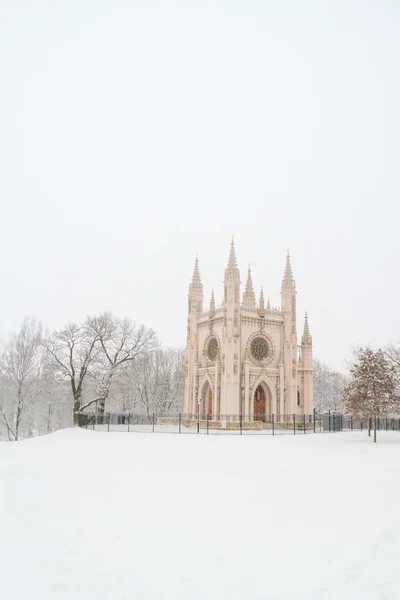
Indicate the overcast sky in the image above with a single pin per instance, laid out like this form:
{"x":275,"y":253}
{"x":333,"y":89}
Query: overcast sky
{"x":134,"y":134}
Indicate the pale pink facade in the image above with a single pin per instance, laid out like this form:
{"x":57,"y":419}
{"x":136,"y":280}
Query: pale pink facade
{"x":243,"y":357}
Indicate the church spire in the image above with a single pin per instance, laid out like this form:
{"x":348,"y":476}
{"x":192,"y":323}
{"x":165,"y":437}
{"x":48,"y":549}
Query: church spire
{"x":249,"y":297}
{"x":306,"y":339}
{"x":288,"y":281}
{"x":196,"y":281}
{"x":262,"y":303}
{"x":232,"y":271}
{"x":211,"y":312}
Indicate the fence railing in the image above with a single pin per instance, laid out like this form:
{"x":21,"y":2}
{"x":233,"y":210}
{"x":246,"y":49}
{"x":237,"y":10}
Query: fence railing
{"x":231,"y":423}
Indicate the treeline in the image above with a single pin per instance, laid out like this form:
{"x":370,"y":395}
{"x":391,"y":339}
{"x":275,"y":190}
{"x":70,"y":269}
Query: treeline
{"x":105,"y":363}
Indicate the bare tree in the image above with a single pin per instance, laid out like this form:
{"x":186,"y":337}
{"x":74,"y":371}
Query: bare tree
{"x":328,"y":386}
{"x":21,"y":366}
{"x":371,"y":391}
{"x":74,"y":350}
{"x":120,"y":343}
{"x":159,"y":381}
{"x":393,"y":354}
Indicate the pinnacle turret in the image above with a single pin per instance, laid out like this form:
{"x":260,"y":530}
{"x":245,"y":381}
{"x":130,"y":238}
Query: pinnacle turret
{"x":306,"y":339}
{"x":212,"y":301}
{"x":262,"y":302}
{"x":211,"y":312}
{"x":232,"y":271}
{"x":249,"y":297}
{"x":196,"y":281}
{"x":288,"y":281}
{"x":268,"y":305}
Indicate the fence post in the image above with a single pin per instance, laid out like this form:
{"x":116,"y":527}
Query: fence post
{"x":273,"y":429}
{"x":351,"y":422}
{"x":94,"y":421}
{"x":180,"y":422}
{"x":208,"y":421}
{"x":198,"y":417}
{"x":314,"y":418}
{"x":304,"y":422}
{"x":48,"y":420}
{"x":294,"y":423}
{"x":129,"y":422}
{"x":329,"y":420}
{"x":154,"y":420}
{"x":86,"y":420}
{"x":109,"y":415}
{"x":334,"y":423}
{"x":241,"y":423}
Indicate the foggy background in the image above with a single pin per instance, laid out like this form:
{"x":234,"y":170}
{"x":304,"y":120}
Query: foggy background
{"x":134,"y":134}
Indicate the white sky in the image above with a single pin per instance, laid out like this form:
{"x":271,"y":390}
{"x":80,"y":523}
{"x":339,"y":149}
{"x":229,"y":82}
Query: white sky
{"x":134,"y":134}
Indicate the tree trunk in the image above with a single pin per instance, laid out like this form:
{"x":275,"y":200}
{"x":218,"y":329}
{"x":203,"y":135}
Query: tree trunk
{"x":369,"y":426}
{"x":77,"y":405}
{"x":17,"y":425}
{"x":374,"y":429}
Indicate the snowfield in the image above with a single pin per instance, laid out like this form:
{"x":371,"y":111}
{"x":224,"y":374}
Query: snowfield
{"x":89,"y":516}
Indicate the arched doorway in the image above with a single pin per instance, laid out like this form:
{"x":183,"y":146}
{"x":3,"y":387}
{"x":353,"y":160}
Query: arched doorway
{"x":207,"y":400}
{"x":261,"y":402}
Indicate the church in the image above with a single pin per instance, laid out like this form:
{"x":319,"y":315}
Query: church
{"x":243,"y":357}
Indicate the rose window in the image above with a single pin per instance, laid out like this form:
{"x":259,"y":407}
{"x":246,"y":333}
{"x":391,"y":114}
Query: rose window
{"x":259,"y":348}
{"x":212,"y":350}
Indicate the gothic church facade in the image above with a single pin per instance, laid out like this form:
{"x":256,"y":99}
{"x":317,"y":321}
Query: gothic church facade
{"x":243,"y":357}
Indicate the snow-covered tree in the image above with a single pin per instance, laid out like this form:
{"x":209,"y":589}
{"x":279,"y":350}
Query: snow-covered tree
{"x":159,"y":380}
{"x":90,"y":355}
{"x":22,"y":362}
{"x":120,"y":343}
{"x":393,"y":354}
{"x":328,"y":386}
{"x":371,"y":391}
{"x":74,"y":350}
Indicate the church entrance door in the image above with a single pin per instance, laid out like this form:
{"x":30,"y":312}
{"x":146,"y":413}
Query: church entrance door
{"x":260,"y":405}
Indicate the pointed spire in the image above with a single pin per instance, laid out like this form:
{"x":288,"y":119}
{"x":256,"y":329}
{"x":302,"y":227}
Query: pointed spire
{"x":196,"y":281}
{"x":249,"y":297}
{"x":211,"y":312}
{"x":262,"y":303}
{"x":212,"y":301}
{"x":268,"y":305}
{"x":306,"y":339}
{"x":232,"y":271}
{"x":288,"y":280}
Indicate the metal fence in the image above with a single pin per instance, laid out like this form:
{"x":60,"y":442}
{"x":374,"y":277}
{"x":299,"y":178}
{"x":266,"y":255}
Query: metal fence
{"x":232,"y":424}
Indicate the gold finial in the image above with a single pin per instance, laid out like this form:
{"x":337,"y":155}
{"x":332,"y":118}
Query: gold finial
{"x":249,"y":266}
{"x":287,"y":252}
{"x":233,"y":238}
{"x":262,"y":287}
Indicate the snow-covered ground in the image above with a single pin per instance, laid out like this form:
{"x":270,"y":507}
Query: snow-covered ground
{"x":91,"y":515}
